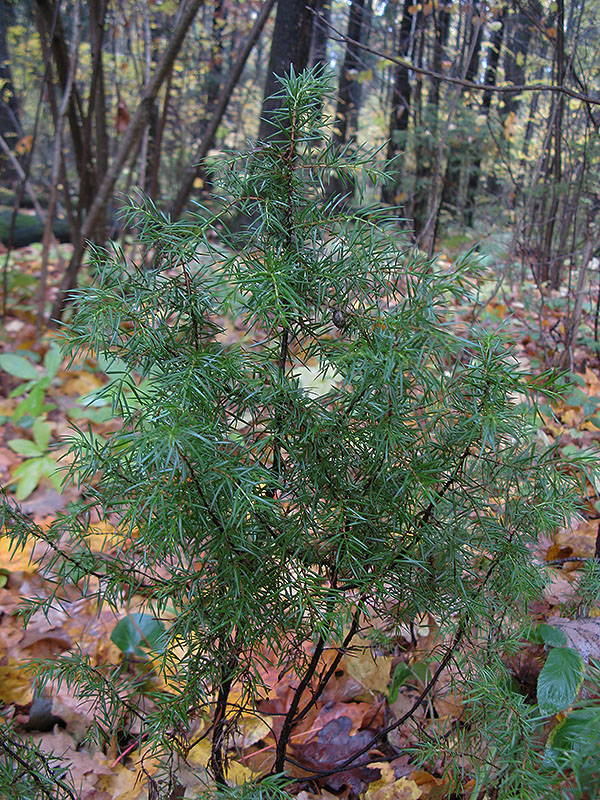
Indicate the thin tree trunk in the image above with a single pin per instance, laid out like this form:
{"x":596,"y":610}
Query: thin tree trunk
{"x":97,"y":103}
{"x":400,"y":110}
{"x":195,"y":168}
{"x":10,"y":127}
{"x":428,"y":234}
{"x":456,"y":155}
{"x":556,"y":258}
{"x":48,"y":235}
{"x":491,"y":73}
{"x":290,"y":46}
{"x":129,"y":140}
{"x":320,"y":36}
{"x":349,"y":95}
{"x":51,"y":28}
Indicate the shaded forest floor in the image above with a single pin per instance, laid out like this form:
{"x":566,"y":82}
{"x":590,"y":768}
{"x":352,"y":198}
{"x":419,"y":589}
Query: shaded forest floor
{"x":369,"y":689}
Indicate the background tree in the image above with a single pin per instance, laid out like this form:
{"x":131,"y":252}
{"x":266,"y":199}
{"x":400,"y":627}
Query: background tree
{"x":349,"y":89}
{"x":290,"y":46}
{"x":393,"y":192}
{"x":10,"y":129}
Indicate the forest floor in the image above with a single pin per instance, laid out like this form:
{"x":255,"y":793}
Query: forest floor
{"x":362,"y":698}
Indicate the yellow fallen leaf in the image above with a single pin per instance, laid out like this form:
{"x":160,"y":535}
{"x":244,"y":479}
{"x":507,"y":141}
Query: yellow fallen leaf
{"x":251,"y":729}
{"x":402,"y":789}
{"x":240,"y":774}
{"x":372,"y":672}
{"x":17,"y":560}
{"x":386,"y":771}
{"x":425,"y":780}
{"x":199,"y":755}
{"x":15,"y":685}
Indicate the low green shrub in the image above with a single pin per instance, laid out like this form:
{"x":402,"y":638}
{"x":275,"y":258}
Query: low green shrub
{"x":347,"y":465}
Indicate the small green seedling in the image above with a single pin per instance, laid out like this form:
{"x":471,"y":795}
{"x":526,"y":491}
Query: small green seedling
{"x":36,"y":381}
{"x":137,"y":631}
{"x":38,"y":463}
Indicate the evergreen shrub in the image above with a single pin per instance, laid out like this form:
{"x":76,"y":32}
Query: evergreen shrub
{"x":340,"y":465}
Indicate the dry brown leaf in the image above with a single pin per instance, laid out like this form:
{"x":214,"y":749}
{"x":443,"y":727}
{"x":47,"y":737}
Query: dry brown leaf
{"x":77,"y":713}
{"x":560,"y":589}
{"x":86,"y":767}
{"x":582,"y":635}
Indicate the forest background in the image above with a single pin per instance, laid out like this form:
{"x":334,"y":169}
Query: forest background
{"x":486,"y":116}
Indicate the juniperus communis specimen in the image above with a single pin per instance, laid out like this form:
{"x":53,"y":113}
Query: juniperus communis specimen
{"x":266,"y":515}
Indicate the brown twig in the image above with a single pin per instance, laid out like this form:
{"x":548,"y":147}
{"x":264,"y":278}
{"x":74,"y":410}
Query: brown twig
{"x":30,"y":770}
{"x":397,"y":723}
{"x":326,"y":677}
{"x":289,"y":721}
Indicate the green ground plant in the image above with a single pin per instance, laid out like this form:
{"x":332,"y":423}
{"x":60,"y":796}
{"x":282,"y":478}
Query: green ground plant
{"x":266,"y":519}
{"x":31,"y":413}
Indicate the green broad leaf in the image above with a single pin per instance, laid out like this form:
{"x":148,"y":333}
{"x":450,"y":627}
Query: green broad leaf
{"x":578,"y":733}
{"x":41,"y":433}
{"x":52,"y":361}
{"x":137,"y":631}
{"x":28,"y":474}
{"x":51,"y":471}
{"x":25,"y":447}
{"x":93,"y":399}
{"x":18,"y":366}
{"x":560,"y":680}
{"x":22,"y":388}
{"x":402,"y":674}
{"x":113,"y":366}
{"x":313,"y":381}
{"x":33,"y":404}
{"x":92,"y":413}
{"x":553,"y":637}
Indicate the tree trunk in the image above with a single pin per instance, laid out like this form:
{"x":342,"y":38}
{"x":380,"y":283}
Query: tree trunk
{"x":290,"y":46}
{"x":128,"y":142}
{"x":493,"y":59}
{"x":52,"y":29}
{"x":97,"y":104}
{"x":424,"y":147}
{"x":320,"y":35}
{"x":195,"y":168}
{"x":10,"y":128}
{"x":349,"y":94}
{"x":457,"y":152}
{"x":400,"y":111}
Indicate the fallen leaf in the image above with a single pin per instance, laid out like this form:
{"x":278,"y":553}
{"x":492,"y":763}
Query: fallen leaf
{"x":559,"y":589}
{"x":402,"y":789}
{"x":240,"y":774}
{"x":199,"y":755}
{"x":15,"y":685}
{"x":372,"y":672}
{"x":333,"y":747}
{"x":583,"y":635}
{"x":425,"y":781}
{"x":18,"y":560}
{"x":87,"y":767}
{"x":251,"y":729}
